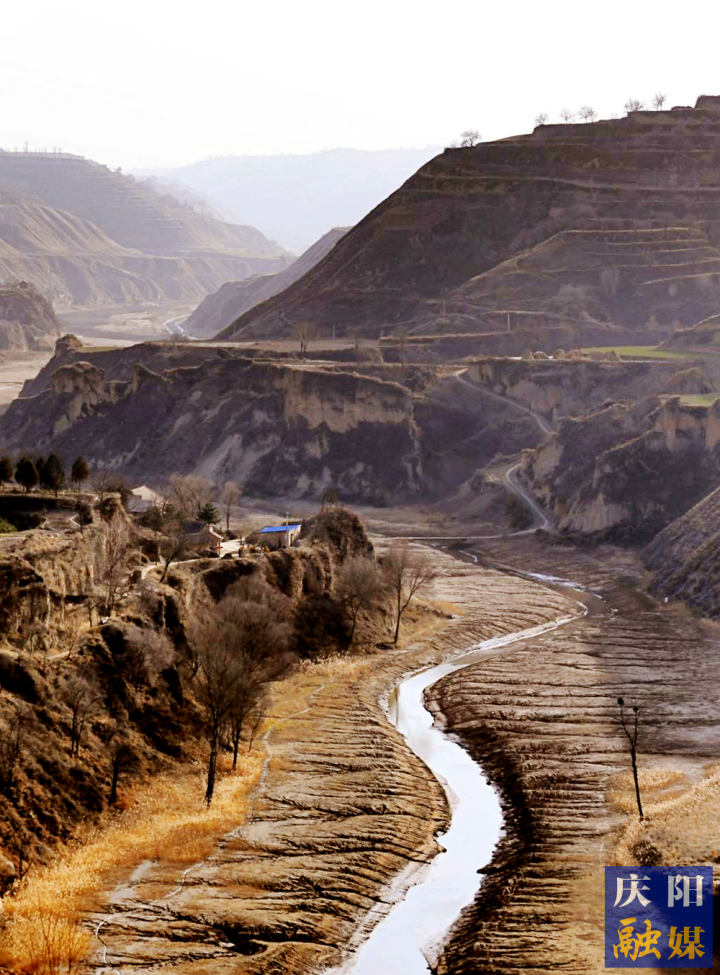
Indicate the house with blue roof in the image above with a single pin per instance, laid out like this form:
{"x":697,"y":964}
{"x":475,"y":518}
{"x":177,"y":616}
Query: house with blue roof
{"x":277,"y":536}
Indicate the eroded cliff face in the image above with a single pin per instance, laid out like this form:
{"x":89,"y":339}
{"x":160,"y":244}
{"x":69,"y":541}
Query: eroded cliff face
{"x":277,"y":429}
{"x":567,"y":387}
{"x":626,"y":470}
{"x":27,"y":319}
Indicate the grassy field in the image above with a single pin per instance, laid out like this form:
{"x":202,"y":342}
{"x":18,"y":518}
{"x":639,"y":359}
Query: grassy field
{"x":650,"y":352}
{"x":699,"y":399}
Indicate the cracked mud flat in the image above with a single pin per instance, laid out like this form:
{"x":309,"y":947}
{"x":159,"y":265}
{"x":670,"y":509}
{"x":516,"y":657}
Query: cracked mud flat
{"x":343,"y":810}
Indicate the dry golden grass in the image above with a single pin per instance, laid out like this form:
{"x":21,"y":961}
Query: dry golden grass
{"x":338,"y":666}
{"x":682,"y":825}
{"x":166,"y":819}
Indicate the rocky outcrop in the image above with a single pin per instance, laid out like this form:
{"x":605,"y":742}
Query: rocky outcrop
{"x":626,"y":470}
{"x":27,"y":319}
{"x":608,"y":222}
{"x":88,"y":236}
{"x":234,"y":298}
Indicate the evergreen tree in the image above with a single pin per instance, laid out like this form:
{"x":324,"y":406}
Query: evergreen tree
{"x":80,"y":471}
{"x":26,"y":474}
{"x":208,"y":513}
{"x":6,"y":470}
{"x":40,"y":463}
{"x":54,"y":474}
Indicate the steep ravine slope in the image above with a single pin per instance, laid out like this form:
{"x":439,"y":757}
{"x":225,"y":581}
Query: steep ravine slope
{"x":219,"y":309}
{"x":610,"y":221}
{"x":27,"y":319}
{"x":685,"y":557}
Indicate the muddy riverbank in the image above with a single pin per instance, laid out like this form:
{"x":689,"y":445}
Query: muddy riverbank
{"x":344,"y":808}
{"x":541,"y":720}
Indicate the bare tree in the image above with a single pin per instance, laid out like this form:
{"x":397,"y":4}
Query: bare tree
{"x":100,"y":481}
{"x":122,"y":758}
{"x":240,"y":645}
{"x":659,"y":100}
{"x":12,"y":739}
{"x":113,"y":550}
{"x":633,"y":105}
{"x":229,"y":497}
{"x":469,"y":138}
{"x":356,"y":334}
{"x":407,"y":571}
{"x":174,"y":543}
{"x":359,"y":585}
{"x":541,"y":119}
{"x":304,"y":333}
{"x":632,"y":738}
{"x":189,"y":493}
{"x":566,"y":115}
{"x":81,"y":699}
{"x":587,"y":113}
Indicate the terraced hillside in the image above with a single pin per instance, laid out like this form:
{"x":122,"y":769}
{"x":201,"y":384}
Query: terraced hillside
{"x":218,"y":310}
{"x":85,"y":235}
{"x":616,"y":221}
{"x":652,"y":277}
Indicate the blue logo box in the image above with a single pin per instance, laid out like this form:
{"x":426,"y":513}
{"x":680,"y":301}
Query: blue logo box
{"x":658,"y":917}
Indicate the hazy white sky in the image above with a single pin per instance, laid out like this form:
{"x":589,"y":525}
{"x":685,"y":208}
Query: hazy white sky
{"x":151,"y":83}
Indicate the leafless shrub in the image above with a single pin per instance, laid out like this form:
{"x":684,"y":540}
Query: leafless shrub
{"x":111,"y":559}
{"x":632,"y":739}
{"x":240,"y":645}
{"x":633,"y":105}
{"x":469,"y":138}
{"x":229,"y":497}
{"x":188,"y":493}
{"x":12,"y":738}
{"x":82,"y":700}
{"x":359,"y":585}
{"x":407,"y":572}
{"x":304,"y":333}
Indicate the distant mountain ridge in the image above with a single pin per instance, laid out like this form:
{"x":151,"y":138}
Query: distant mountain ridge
{"x":295,"y":198}
{"x":85,"y":236}
{"x":215,"y":313}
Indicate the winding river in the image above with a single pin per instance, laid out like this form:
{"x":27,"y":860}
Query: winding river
{"x":410,"y":936}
